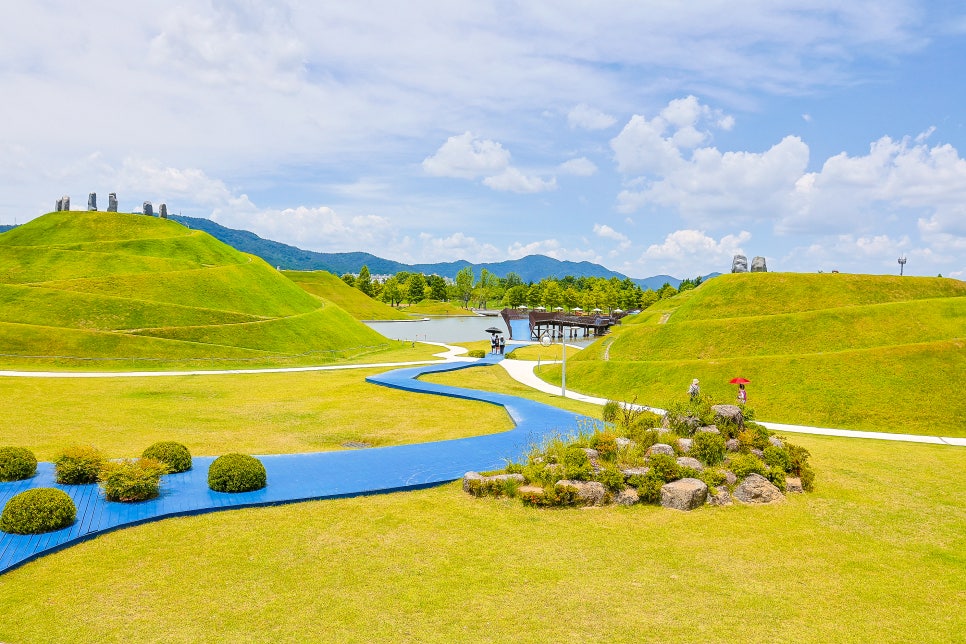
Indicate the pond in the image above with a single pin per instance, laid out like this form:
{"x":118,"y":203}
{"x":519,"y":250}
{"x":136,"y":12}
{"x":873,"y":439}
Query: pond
{"x":454,"y":329}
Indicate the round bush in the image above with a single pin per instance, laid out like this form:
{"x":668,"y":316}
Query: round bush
{"x":38,"y":510}
{"x":132,"y":480}
{"x":78,"y":465}
{"x":175,"y":455}
{"x":236,"y":473}
{"x":709,"y":448}
{"x":17,"y":463}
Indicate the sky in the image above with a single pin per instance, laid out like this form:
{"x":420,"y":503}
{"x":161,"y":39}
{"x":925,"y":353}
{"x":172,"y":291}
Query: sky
{"x":653,"y":137}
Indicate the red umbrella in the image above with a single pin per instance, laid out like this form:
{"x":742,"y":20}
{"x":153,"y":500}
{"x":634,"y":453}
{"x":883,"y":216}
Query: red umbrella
{"x":739,"y":381}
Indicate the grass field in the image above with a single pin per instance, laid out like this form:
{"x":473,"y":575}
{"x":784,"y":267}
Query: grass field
{"x":330,"y":287}
{"x":434,"y":307}
{"x":876,"y":553}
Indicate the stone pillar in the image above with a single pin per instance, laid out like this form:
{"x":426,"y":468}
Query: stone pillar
{"x":163,"y":211}
{"x":112,"y":202}
{"x":60,"y":205}
{"x":758,"y":265}
{"x":739,"y":264}
{"x":92,"y":201}
{"x":147,"y":209}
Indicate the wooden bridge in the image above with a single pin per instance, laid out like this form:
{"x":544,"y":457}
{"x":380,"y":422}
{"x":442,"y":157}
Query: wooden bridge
{"x":561,"y":325}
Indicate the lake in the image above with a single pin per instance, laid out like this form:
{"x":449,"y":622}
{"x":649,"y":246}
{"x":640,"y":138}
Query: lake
{"x":454,"y":329}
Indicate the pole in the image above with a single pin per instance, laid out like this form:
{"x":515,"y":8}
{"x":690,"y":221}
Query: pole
{"x":563,"y":368}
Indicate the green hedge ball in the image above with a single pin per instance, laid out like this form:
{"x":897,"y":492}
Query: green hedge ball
{"x":38,"y":510}
{"x":17,"y":463}
{"x":175,"y":455}
{"x":236,"y":473}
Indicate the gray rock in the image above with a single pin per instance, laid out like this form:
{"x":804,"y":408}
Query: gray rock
{"x":59,"y":206}
{"x":730,"y":478}
{"x":709,"y":429}
{"x":92,"y":201}
{"x":757,"y":489}
{"x":163,"y":211}
{"x":635,"y":471}
{"x":722,"y":497}
{"x":66,"y":202}
{"x":684,"y":444}
{"x":739,"y":264}
{"x":147,"y":209}
{"x":530,"y":490}
{"x":660,"y":448}
{"x":112,"y":202}
{"x":758,"y":265}
{"x":624,"y":442}
{"x":472,"y":482}
{"x":589,"y":492}
{"x":475,"y":483}
{"x":684,"y":494}
{"x":757,"y":452}
{"x":693,"y":463}
{"x":777,"y":442}
{"x":729,"y":414}
{"x":627,"y":496}
{"x":793,"y":485}
{"x":732,"y":445}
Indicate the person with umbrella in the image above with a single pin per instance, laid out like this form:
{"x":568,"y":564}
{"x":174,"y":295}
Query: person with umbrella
{"x":742,"y":394}
{"x":494,"y":341}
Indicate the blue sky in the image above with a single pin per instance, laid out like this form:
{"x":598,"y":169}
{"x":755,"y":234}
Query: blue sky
{"x":651,"y":137}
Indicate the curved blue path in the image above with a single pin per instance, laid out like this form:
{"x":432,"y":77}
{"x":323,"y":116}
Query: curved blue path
{"x":300,"y":477}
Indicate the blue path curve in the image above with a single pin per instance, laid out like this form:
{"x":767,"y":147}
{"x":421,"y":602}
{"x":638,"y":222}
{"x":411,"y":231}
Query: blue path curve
{"x":301,"y":477}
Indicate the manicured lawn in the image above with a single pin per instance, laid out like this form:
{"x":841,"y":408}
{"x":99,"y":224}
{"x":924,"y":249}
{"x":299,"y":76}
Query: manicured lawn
{"x":255,"y":414}
{"x":875,"y":554}
{"x":434,"y":307}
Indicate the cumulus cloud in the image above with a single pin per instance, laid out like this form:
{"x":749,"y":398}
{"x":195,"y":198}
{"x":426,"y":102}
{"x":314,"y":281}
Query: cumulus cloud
{"x":512,"y":180}
{"x":692,"y":252}
{"x":455,"y":247}
{"x":465,"y":156}
{"x":588,"y":118}
{"x":606,"y":232}
{"x":580,"y":167}
{"x":551,"y":248}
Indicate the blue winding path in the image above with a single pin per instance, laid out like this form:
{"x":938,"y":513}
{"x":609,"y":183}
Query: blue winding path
{"x":300,"y":477}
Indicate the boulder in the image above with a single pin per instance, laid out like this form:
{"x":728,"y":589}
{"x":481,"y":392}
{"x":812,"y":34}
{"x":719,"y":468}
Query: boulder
{"x":66,"y":202}
{"x":627,"y":496}
{"x":709,"y":429}
{"x":624,"y":442}
{"x":147,"y":209}
{"x":530,"y":492}
{"x":732,"y":445}
{"x":758,"y":265}
{"x":684,"y":444}
{"x":163,"y":211}
{"x":589,"y":492}
{"x":472,"y":482}
{"x":92,"y":201}
{"x":729,"y":414}
{"x":635,"y":471}
{"x":757,"y":452}
{"x":693,"y":463}
{"x":660,"y":448}
{"x":730,"y":478}
{"x":722,"y":497}
{"x":739,"y":264}
{"x":477,"y":484}
{"x":684,"y":494}
{"x":793,"y":485}
{"x":777,"y":442}
{"x":112,"y":202}
{"x":757,"y":489}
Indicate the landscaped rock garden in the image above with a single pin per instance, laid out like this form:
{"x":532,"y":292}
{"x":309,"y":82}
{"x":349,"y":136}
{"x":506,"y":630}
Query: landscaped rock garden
{"x":697,"y":454}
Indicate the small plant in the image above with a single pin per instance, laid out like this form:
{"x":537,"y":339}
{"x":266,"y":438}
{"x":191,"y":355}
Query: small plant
{"x":611,"y":478}
{"x":744,"y":464}
{"x":78,"y":465}
{"x":754,"y":436}
{"x":552,"y":496}
{"x":712,"y":477}
{"x":17,"y":463}
{"x":175,"y":455}
{"x":577,"y":465}
{"x":664,"y":467}
{"x":648,"y":486}
{"x":236,"y":473}
{"x":606,"y":445}
{"x":132,"y":479}
{"x":38,"y":510}
{"x":777,"y":477}
{"x":709,"y":448}
{"x":610,"y":411}
{"x":777,"y":457}
{"x":476,"y":353}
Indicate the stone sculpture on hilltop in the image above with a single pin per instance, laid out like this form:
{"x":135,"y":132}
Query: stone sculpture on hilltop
{"x":163,"y":211}
{"x":92,"y":201}
{"x":112,"y":202}
{"x":739,"y":264}
{"x":758,"y":265}
{"x":147,"y":209}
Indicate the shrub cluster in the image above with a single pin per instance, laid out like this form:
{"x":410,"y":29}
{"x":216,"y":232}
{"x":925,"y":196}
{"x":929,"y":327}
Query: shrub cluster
{"x":17,"y":463}
{"x":78,"y":465}
{"x":38,"y":510}
{"x":132,"y":480}
{"x":175,"y":455}
{"x":476,"y":353}
{"x":236,"y":473}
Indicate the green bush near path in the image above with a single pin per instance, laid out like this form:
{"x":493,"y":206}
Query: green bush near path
{"x":38,"y":510}
{"x":17,"y":464}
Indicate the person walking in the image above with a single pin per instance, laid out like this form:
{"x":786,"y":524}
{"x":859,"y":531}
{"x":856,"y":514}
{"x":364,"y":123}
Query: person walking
{"x":694,"y":390}
{"x":493,"y":344}
{"x":742,"y":394}
{"x":502,"y":345}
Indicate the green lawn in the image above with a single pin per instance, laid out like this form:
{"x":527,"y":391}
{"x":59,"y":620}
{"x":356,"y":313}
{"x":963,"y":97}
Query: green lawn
{"x":875,"y":554}
{"x":330,"y":287}
{"x":434,"y":307}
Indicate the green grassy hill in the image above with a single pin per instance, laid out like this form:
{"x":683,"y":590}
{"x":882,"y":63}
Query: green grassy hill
{"x":854,"y":351}
{"x":330,"y":287}
{"x":119,"y":290}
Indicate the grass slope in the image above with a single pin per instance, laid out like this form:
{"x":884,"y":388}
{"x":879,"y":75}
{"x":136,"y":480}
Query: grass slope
{"x":853,"y":351}
{"x":330,"y":287}
{"x":93,"y":285}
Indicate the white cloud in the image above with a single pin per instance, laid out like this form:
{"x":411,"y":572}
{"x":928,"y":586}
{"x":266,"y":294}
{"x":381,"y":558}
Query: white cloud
{"x":588,"y":118}
{"x":692,"y":252}
{"x":467,"y":157}
{"x":455,"y":247}
{"x":580,"y":167}
{"x":512,"y":180}
{"x":551,"y":248}
{"x":606,"y":232}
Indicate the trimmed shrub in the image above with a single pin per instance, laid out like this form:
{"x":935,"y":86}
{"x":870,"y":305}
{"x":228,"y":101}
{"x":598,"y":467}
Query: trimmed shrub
{"x":711,"y":477}
{"x":606,"y":445}
{"x":577,"y":465}
{"x":236,"y":473}
{"x":777,"y":477}
{"x":754,"y":436}
{"x":78,"y":465}
{"x":132,"y":479}
{"x":648,"y":486}
{"x":610,"y":411}
{"x":553,"y":496}
{"x":664,"y":467}
{"x":708,"y":448}
{"x":611,"y":478}
{"x":38,"y":510}
{"x":744,"y":464}
{"x":777,"y":457}
{"x":476,"y":353}
{"x":175,"y":455}
{"x":17,"y":463}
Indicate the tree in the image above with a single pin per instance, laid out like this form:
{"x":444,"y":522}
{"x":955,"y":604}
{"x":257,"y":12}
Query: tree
{"x":552,"y":295}
{"x":666,"y":291}
{"x":437,"y":287}
{"x":648,"y":298}
{"x":464,"y":285}
{"x":416,"y":291}
{"x":391,"y":292}
{"x":349,"y":279}
{"x":511,"y":280}
{"x":515,"y":296}
{"x":484,"y":288}
{"x":364,"y":281}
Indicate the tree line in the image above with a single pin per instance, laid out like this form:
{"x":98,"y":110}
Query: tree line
{"x":490,"y":291}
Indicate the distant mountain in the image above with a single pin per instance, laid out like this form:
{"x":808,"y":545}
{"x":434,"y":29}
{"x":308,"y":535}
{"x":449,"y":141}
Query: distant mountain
{"x":4,"y":229}
{"x":530,"y":268}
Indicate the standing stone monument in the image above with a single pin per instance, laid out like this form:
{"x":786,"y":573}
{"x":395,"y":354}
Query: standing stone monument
{"x":66,"y":202}
{"x":60,"y":204}
{"x":758,"y":265}
{"x":92,"y":201}
{"x":147,"y":209}
{"x":112,"y":202}
{"x":739,"y":264}
{"x":163,"y":211}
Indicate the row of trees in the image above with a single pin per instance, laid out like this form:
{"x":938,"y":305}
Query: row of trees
{"x":490,"y":291}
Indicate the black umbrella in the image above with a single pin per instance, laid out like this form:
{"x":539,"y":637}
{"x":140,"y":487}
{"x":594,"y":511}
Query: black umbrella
{"x":493,"y":329}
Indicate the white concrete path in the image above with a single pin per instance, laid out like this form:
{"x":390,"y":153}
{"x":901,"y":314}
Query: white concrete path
{"x":522,"y":371}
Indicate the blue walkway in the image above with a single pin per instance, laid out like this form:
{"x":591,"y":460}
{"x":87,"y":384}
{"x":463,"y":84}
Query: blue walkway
{"x":300,"y":477}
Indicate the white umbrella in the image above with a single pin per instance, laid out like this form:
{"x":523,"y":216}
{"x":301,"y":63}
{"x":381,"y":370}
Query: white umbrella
{"x":577,"y":308}
{"x":541,"y":308}
{"x":522,"y":306}
{"x":618,"y":311}
{"x":558,"y":308}
{"x":596,"y":310}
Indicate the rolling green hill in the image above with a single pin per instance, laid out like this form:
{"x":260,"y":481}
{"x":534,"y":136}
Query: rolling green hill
{"x":120,"y":290}
{"x":330,"y":287}
{"x":854,"y":351}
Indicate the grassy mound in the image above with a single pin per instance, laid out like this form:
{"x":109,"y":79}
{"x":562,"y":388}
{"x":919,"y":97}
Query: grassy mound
{"x":435,"y":307}
{"x":330,"y":287}
{"x":852,"y":351}
{"x":141,"y":292}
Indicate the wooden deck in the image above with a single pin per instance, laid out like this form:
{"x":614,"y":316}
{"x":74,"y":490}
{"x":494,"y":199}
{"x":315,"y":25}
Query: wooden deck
{"x":561,"y":325}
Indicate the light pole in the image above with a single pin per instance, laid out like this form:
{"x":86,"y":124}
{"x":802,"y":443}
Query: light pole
{"x":902,"y":265}
{"x":563,"y":364}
